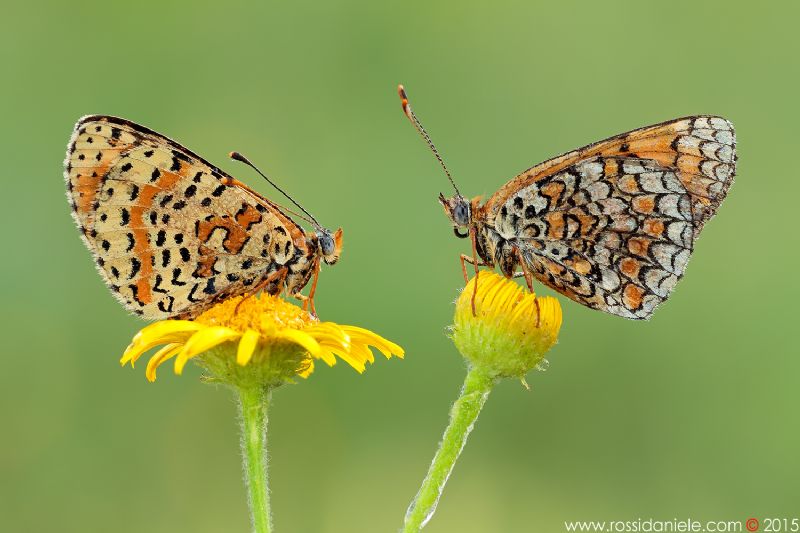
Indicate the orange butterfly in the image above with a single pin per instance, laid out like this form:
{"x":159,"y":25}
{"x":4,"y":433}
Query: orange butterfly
{"x":172,"y":234}
{"x":610,"y":225}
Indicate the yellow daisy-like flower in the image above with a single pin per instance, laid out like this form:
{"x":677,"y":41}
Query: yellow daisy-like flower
{"x":511,"y":329}
{"x":257,"y":340}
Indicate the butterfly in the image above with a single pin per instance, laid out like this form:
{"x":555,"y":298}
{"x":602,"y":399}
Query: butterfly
{"x":173,"y":234}
{"x":610,"y":225}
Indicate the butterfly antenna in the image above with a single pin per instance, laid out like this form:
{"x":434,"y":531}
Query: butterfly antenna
{"x":236,"y":156}
{"x":294,"y":213}
{"x":418,"y":125}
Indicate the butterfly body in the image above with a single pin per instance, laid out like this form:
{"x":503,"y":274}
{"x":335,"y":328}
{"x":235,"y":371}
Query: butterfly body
{"x":610,"y":225}
{"x":171,"y":233}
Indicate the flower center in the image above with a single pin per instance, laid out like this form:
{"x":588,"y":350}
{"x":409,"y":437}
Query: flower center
{"x":263,"y":314}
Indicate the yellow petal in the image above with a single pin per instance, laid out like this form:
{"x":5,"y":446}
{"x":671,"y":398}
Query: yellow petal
{"x":327,"y":355}
{"x":163,"y":332}
{"x":167,"y":352}
{"x":361,"y":352}
{"x":203,"y":340}
{"x":303,"y":339}
{"x":525,"y":312}
{"x":550,"y":314}
{"x":330,"y":334}
{"x":365,"y":336}
{"x":359,"y":366}
{"x":163,"y":327}
{"x":247,"y":345}
{"x":330,"y":342}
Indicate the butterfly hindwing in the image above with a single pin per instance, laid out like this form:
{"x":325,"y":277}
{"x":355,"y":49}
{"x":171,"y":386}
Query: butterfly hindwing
{"x":612,"y":225}
{"x":168,"y":236}
{"x":613,"y":233}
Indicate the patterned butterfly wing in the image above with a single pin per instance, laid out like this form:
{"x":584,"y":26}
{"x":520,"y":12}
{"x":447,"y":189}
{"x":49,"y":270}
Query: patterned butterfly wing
{"x":612,"y":225}
{"x":169,"y":236}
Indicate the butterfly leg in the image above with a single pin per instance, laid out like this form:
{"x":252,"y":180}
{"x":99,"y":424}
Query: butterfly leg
{"x":468,"y":259}
{"x":525,"y":272}
{"x":306,"y":301}
{"x":528,"y":280}
{"x":309,"y":300}
{"x":313,"y":289}
{"x":472,"y":232}
{"x":279,"y":276}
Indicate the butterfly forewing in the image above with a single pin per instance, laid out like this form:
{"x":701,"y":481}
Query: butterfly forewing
{"x":612,"y":225}
{"x":168,"y":236}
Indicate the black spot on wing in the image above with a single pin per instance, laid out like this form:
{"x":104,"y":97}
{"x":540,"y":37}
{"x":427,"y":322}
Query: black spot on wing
{"x":209,"y":288}
{"x":157,"y":286}
{"x":135,"y":292}
{"x":176,"y":272}
{"x":191,"y":297}
{"x":135,"y":266}
{"x":166,"y":307}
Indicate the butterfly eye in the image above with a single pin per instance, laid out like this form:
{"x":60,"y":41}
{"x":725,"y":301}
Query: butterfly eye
{"x":326,"y":243}
{"x":461,"y":212}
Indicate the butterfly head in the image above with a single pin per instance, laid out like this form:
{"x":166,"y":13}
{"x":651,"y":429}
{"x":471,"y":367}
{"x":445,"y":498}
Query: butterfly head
{"x":458,"y":210}
{"x":330,"y":245}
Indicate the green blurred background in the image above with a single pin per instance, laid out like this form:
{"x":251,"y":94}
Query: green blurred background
{"x":693,"y":414}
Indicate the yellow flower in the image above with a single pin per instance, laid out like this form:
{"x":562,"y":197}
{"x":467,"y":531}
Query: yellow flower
{"x":266,"y":340}
{"x":511,"y":329}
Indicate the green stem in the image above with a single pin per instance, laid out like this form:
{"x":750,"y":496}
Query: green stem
{"x":463,"y":414}
{"x":254,"y":402}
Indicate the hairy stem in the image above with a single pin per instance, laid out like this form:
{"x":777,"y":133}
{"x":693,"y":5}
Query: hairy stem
{"x":254,"y":402}
{"x":463,"y":414}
